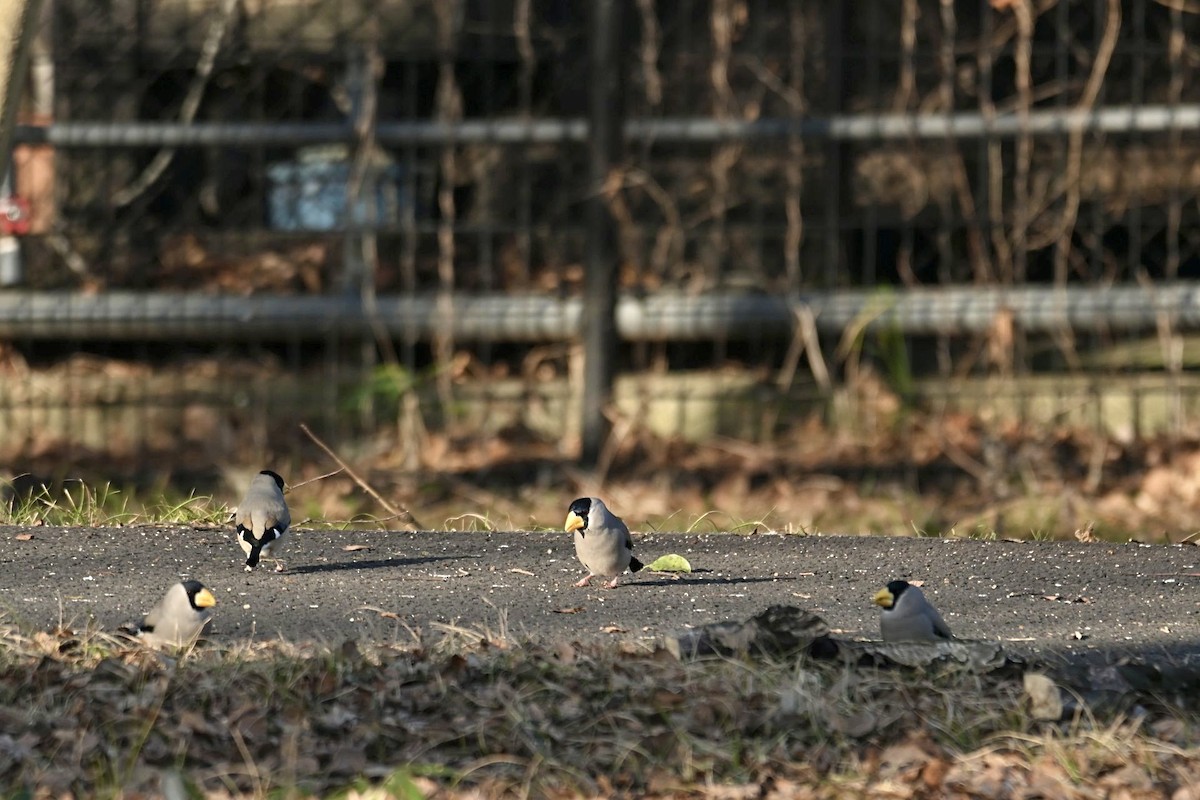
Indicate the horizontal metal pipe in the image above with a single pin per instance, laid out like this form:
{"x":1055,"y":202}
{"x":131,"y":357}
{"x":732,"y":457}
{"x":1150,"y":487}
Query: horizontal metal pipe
{"x":296,"y":134}
{"x":848,"y":127}
{"x":967,"y":124}
{"x":151,"y":316}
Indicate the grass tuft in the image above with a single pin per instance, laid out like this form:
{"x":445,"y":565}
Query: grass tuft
{"x":79,"y":504}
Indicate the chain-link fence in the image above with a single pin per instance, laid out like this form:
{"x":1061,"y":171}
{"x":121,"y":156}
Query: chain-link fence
{"x":234,"y":215}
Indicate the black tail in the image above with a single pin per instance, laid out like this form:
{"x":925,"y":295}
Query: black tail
{"x":256,"y":546}
{"x":634,"y":564}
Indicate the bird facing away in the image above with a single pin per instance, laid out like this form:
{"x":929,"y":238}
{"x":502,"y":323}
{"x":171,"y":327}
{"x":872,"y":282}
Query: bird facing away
{"x":179,"y":618}
{"x":602,"y":542}
{"x":263,"y":519}
{"x":907,"y":616}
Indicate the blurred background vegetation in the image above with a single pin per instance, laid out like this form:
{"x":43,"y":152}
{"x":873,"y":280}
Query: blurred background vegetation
{"x":908,"y":267}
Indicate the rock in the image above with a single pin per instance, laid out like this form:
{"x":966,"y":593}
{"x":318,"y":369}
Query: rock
{"x":1045,"y":699}
{"x":778,"y":631}
{"x":789,"y":631}
{"x":979,"y":656}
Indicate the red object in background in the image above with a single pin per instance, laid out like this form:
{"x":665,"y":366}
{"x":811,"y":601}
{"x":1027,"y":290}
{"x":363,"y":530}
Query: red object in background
{"x":14,"y":216}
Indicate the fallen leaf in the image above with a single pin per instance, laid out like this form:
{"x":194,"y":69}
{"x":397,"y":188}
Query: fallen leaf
{"x":380,"y":612}
{"x":856,"y":724}
{"x":666,"y":698}
{"x":571,"y":610}
{"x":193,"y":722}
{"x":905,"y":758}
{"x":613,"y":629}
{"x":670,"y":563}
{"x":934,"y":773}
{"x":1048,"y":779}
{"x":1065,"y":599}
{"x":23,"y":537}
{"x":350,"y":548}
{"x":1085,"y":534}
{"x":1170,"y":729}
{"x":1131,"y":778}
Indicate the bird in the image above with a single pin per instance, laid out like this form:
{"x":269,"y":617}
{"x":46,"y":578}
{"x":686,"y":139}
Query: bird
{"x":602,"y":542}
{"x":907,"y":616}
{"x":263,"y":519}
{"x":178,"y":619}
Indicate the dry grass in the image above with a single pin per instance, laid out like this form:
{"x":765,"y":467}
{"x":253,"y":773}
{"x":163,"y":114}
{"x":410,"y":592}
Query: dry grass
{"x":895,"y":470}
{"x":470,"y":713}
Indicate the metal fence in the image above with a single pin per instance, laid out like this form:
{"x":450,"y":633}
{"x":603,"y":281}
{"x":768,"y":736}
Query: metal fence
{"x":241,"y":214}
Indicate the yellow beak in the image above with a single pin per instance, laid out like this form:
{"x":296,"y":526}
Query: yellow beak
{"x":884,"y":598}
{"x":204,"y":599}
{"x":574,"y":521}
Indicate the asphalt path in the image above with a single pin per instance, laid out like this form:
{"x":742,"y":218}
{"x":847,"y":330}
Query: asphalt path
{"x":390,"y":586}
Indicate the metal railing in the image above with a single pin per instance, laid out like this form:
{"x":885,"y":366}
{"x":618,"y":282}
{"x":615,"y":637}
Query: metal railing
{"x":662,"y":317}
{"x":390,"y":191}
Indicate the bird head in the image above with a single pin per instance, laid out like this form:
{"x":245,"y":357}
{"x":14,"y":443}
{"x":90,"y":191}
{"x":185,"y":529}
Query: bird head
{"x":273,"y":476}
{"x":887,"y":596}
{"x":577,"y":515}
{"x":198,"y":595}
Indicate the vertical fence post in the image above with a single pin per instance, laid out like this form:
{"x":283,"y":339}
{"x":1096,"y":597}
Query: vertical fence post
{"x":18,"y":25}
{"x":600,"y":281}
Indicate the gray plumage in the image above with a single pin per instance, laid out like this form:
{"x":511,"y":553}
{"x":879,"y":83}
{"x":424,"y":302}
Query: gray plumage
{"x":263,"y":519}
{"x":907,"y":616}
{"x":179,"y":618}
{"x":602,"y":541}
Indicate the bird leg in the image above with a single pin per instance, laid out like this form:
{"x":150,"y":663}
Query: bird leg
{"x":611,"y":584}
{"x":587,"y":579}
{"x":279,"y":567}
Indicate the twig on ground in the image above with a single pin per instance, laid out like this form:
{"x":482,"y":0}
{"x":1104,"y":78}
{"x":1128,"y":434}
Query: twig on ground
{"x":399,"y":512}
{"x":346,"y":523}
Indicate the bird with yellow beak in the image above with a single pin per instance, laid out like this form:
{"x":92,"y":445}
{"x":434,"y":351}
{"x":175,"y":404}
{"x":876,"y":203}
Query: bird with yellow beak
{"x":602,"y":541}
{"x":907,"y":616}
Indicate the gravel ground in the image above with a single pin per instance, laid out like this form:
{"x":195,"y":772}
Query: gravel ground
{"x":1038,"y":597}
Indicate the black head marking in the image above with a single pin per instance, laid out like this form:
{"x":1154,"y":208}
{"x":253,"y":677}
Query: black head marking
{"x":897,"y":588}
{"x":193,"y":588}
{"x":275,"y":477}
{"x":581,"y":508}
